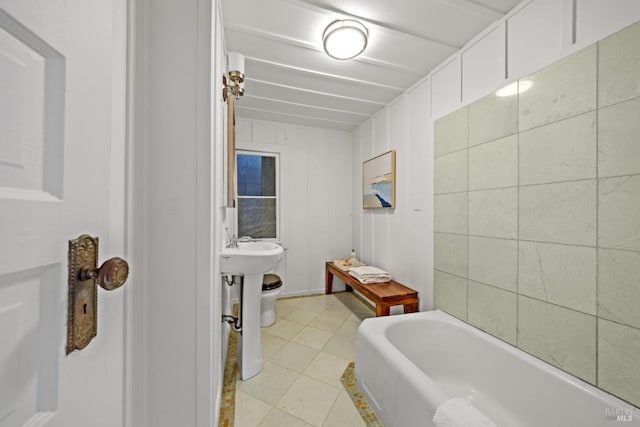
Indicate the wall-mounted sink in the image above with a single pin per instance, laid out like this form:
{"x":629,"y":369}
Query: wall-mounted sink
{"x":250,"y":258}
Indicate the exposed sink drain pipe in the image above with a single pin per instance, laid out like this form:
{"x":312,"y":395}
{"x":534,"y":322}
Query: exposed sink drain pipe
{"x":234,"y":322}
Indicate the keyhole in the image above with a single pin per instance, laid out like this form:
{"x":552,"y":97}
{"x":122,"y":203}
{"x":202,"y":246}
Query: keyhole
{"x":84,"y":309}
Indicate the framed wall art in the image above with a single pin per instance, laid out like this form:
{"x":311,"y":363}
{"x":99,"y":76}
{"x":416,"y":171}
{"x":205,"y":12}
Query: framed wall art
{"x":379,"y":181}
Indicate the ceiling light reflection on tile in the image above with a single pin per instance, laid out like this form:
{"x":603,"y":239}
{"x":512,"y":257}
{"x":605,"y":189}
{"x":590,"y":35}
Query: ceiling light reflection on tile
{"x":513,"y":88}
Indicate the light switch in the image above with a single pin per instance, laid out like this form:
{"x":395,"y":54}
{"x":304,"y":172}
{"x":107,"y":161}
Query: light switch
{"x":417,"y":203}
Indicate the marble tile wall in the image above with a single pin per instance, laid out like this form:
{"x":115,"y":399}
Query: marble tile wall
{"x":537,"y":214}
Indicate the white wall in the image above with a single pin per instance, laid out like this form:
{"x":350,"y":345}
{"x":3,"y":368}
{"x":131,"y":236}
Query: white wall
{"x":176,"y":342}
{"x":533,"y":35}
{"x":315,"y":195}
{"x":220,"y":219}
{"x":398,"y":240}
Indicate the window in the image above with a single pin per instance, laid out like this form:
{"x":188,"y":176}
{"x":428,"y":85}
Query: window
{"x":257,"y":195}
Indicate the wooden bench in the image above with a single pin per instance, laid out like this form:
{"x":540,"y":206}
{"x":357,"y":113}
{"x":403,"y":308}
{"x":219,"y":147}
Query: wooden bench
{"x":384,"y":294}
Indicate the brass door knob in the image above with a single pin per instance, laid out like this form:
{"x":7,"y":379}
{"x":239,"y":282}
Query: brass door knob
{"x":111,"y":275}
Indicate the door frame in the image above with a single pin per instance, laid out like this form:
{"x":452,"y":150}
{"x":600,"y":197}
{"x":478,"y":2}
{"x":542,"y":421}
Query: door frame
{"x":207,"y":308}
{"x":131,"y":319}
{"x":119,"y":238}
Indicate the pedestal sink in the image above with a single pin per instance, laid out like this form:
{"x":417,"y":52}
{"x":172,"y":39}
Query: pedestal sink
{"x":251,"y":260}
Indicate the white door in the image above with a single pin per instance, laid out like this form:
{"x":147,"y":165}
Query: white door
{"x":61,"y":104}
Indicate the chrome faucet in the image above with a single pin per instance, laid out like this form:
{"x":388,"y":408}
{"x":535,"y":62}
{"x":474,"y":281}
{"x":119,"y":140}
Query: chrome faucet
{"x":232,"y":242}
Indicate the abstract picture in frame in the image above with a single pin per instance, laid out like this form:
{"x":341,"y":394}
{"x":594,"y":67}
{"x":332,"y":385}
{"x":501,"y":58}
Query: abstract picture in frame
{"x":379,"y":181}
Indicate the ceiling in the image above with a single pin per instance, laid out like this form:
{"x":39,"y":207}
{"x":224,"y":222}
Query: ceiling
{"x":290,"y":79}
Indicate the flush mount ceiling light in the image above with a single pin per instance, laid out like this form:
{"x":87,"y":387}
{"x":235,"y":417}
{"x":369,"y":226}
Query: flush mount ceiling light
{"x":345,"y":39}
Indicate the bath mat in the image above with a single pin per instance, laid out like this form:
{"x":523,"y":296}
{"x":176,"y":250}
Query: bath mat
{"x":348,"y":380}
{"x":228,"y":398}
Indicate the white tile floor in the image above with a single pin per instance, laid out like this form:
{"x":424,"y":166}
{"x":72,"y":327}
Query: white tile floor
{"x":305,"y":352}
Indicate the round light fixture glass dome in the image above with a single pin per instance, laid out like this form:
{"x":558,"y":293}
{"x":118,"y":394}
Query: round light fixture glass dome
{"x":345,"y":39}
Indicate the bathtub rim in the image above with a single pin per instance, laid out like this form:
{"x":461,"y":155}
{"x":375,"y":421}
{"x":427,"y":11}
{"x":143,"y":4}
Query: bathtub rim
{"x":378,"y":327}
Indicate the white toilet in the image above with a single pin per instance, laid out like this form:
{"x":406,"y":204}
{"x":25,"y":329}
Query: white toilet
{"x":271,"y":288}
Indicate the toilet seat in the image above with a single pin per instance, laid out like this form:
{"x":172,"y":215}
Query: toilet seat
{"x":271,"y":288}
{"x":270,"y":282}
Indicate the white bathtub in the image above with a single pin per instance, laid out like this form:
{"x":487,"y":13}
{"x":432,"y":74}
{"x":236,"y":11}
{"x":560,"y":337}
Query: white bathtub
{"x":406,"y":366}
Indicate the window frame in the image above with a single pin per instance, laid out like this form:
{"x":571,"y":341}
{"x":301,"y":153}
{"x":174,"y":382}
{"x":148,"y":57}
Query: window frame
{"x":276,"y":156}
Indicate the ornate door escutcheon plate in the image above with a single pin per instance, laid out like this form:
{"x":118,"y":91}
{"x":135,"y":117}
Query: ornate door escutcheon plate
{"x":82,"y":315}
{"x":84,"y":278}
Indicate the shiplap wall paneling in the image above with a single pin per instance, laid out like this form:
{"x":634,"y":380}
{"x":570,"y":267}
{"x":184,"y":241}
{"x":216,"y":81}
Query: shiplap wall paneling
{"x":446,"y":93}
{"x":340,"y":195}
{"x":319,"y":158}
{"x":294,"y":199}
{"x":420,"y":238}
{"x":537,"y":34}
{"x":596,"y":19}
{"x":483,"y":64}
{"x":380,"y":217}
{"x":356,"y":191}
{"x":367,"y":220}
{"x":399,"y":233}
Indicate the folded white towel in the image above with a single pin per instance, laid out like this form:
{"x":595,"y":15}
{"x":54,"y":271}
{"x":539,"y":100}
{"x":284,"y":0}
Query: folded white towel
{"x":457,"y":412}
{"x":370,"y":278}
{"x":369,"y":270}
